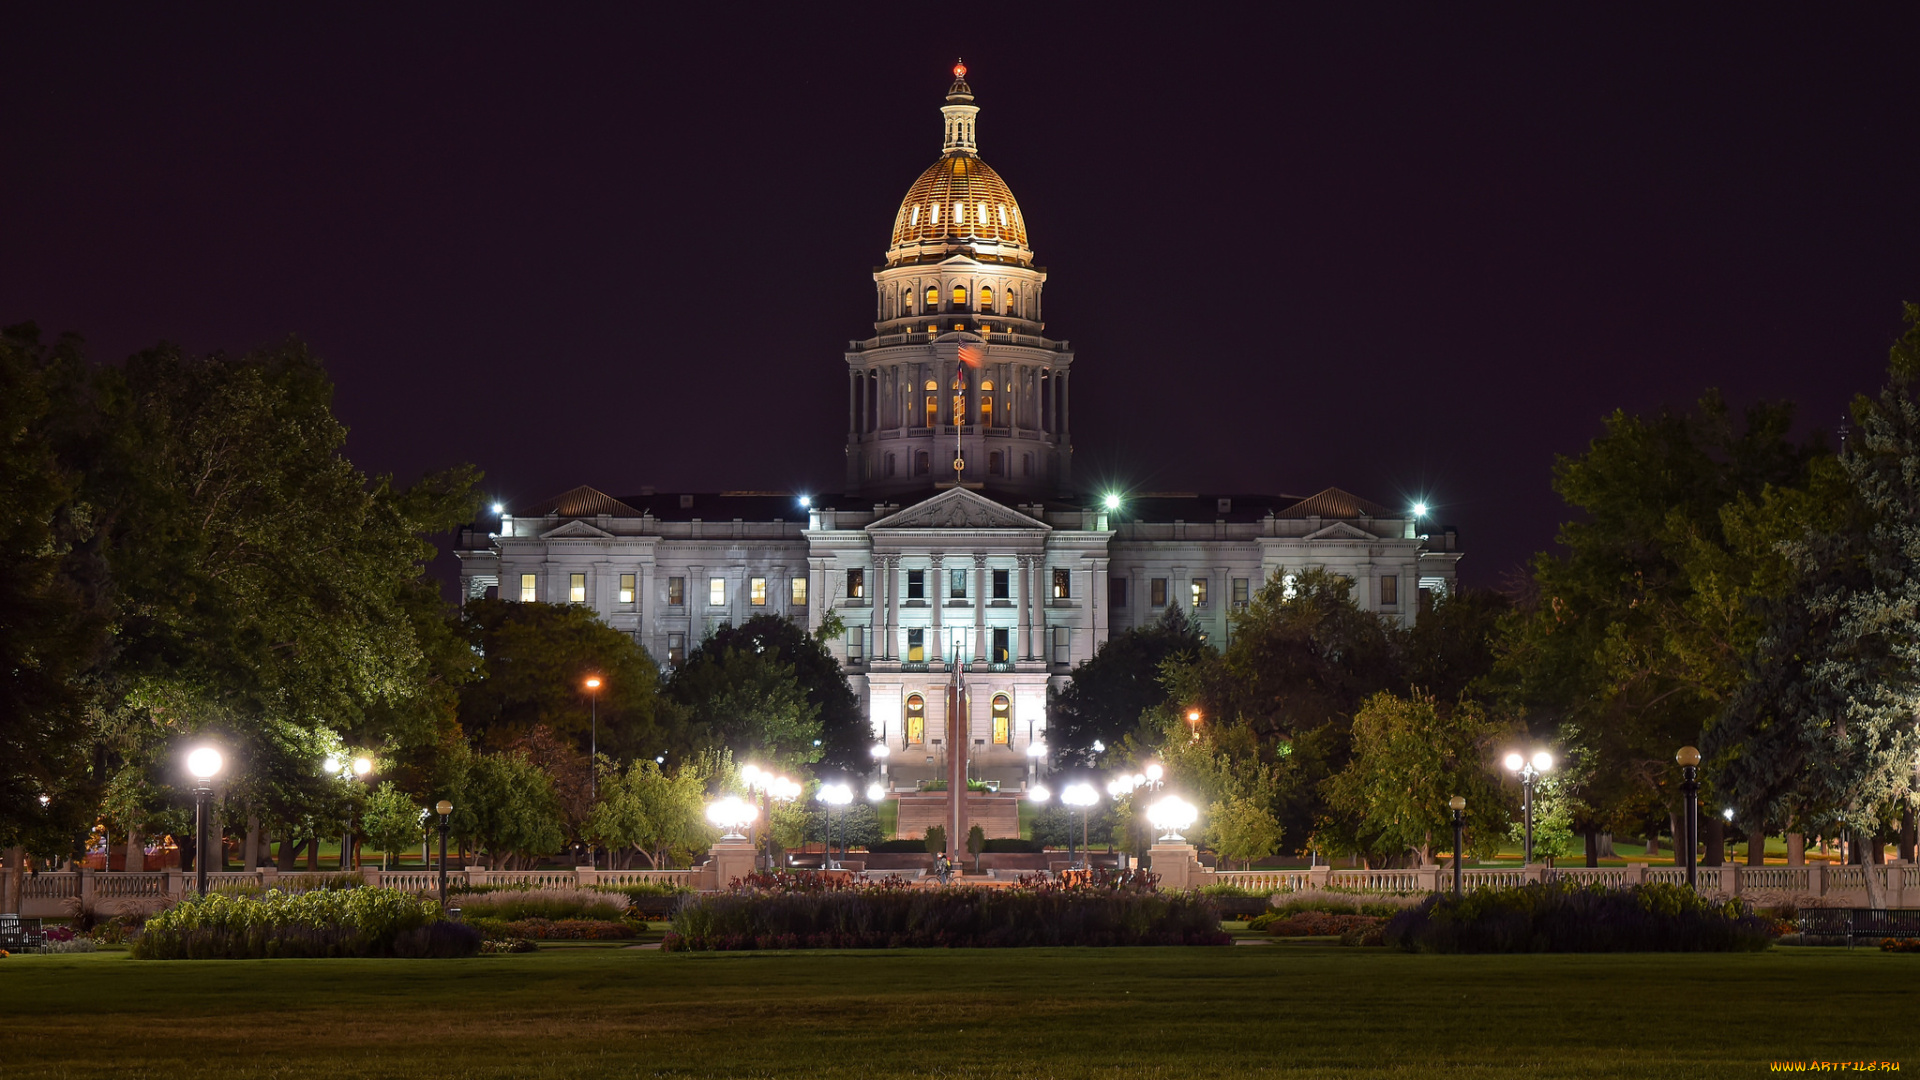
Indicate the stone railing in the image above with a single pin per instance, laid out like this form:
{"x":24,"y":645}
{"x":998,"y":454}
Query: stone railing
{"x":1816,"y":884}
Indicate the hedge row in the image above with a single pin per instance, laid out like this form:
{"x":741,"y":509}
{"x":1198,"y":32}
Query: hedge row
{"x":324,"y":922}
{"x":1561,"y":917}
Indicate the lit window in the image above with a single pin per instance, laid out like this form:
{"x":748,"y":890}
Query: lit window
{"x":959,"y":296}
{"x":933,"y":214}
{"x":956,"y":584}
{"x":1003,"y":215}
{"x":982,"y":207}
{"x":933,"y":297}
{"x":916,"y":720}
{"x":676,"y":592}
{"x":913,"y":220}
{"x":1003,"y":584}
{"x":757,"y":591}
{"x":1157,"y":592}
{"x":916,"y":645}
{"x":916,"y":584}
{"x":856,"y":583}
{"x":986,"y":406}
{"x":577,"y":588}
{"x":1062,"y":585}
{"x":986,"y":298}
{"x":1002,"y":719}
{"x":1239,"y":592}
{"x":627,"y":590}
{"x":959,"y":212}
{"x":933,"y":403}
{"x":1389,"y":590}
{"x":529,"y":590}
{"x":676,"y":649}
{"x":717,"y":592}
{"x":1199,"y":592}
{"x":797,"y":594}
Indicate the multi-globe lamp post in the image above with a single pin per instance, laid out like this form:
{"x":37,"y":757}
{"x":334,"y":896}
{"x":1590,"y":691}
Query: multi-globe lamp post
{"x":881,"y":752}
{"x":1170,"y":815}
{"x":203,"y":763}
{"x":772,"y":788}
{"x":357,"y":769}
{"x":731,"y":815}
{"x":1529,"y":770}
{"x":1083,"y":798}
{"x":830,"y":796}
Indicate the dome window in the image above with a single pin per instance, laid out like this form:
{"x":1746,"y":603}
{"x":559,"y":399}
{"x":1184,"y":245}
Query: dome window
{"x":1003,"y":215}
{"x":914,"y":221}
{"x":982,"y":207}
{"x":959,"y":213}
{"x":933,"y":217}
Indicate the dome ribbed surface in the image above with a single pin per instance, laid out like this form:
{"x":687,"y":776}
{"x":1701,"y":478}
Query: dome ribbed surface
{"x":960,"y":201}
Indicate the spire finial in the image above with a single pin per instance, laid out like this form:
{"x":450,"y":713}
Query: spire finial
{"x":959,"y":68}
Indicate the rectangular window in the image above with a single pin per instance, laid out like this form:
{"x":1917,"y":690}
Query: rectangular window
{"x":676,"y":649}
{"x":797,"y":593}
{"x":577,"y":588}
{"x":1063,"y":585}
{"x":1001,"y":727}
{"x":916,"y":584}
{"x":757,"y":591}
{"x":1117,"y":592}
{"x":1003,"y":584}
{"x":916,"y":728}
{"x":917,"y":645}
{"x":717,"y":592}
{"x":1389,"y":590}
{"x":1002,"y":648}
{"x":856,"y":583}
{"x":856,"y":642}
{"x":1240,"y":590}
{"x":627,"y":590}
{"x":1199,"y":591}
{"x":676,"y":592}
{"x":1062,"y":645}
{"x":957,"y":585}
{"x":529,"y":588}
{"x":1158,"y":588}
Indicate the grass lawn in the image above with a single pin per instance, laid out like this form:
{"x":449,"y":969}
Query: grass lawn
{"x":1273,"y":1010}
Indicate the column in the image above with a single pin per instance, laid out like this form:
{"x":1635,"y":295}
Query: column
{"x":880,"y":613}
{"x":647,"y":602}
{"x":980,"y":608}
{"x":1039,"y":645}
{"x":1065,"y":425}
{"x":853,"y":399}
{"x":1087,"y":609}
{"x":817,"y":600}
{"x":1022,"y":586}
{"x":937,"y":596}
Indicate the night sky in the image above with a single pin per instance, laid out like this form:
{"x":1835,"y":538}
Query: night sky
{"x":1409,"y":252}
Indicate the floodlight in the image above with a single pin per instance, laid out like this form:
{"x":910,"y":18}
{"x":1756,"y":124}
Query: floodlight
{"x":499,"y":509}
{"x":1112,"y":501}
{"x":1419,"y":509}
{"x":806,"y":500}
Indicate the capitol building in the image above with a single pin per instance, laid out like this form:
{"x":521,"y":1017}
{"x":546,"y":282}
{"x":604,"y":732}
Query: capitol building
{"x":961,"y":539}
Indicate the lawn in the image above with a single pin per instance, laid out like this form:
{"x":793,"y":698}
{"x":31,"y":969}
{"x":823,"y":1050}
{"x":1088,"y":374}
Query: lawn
{"x":1272,"y":1010}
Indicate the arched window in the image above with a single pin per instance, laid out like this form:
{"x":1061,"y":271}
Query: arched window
{"x":1002,"y":720}
{"x":958,"y":213}
{"x":1013,"y":301}
{"x":1003,"y":215}
{"x":933,"y":405}
{"x":914,"y":221}
{"x":986,"y":298}
{"x":933,"y":210}
{"x":916,"y":720}
{"x":982,"y":207}
{"x":933,"y":297}
{"x":959,"y":398}
{"x":959,"y":297}
{"x":906,"y":300}
{"x":986,"y":403}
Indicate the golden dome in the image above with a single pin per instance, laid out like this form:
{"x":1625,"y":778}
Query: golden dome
{"x":960,"y":203}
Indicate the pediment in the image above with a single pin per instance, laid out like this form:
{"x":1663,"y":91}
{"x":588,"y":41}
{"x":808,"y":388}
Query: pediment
{"x":958,"y":508}
{"x":1340,"y":530}
{"x":576,"y":530}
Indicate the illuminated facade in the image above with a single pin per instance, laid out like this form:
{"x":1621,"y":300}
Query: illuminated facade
{"x":998,"y":564}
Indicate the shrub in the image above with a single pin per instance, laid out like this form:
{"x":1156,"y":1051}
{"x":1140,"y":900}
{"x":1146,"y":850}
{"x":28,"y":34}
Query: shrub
{"x":890,"y":914}
{"x":508,"y":945}
{"x":510,"y":905}
{"x":1013,"y":845}
{"x":554,"y":929}
{"x":68,"y":945}
{"x":1311,"y":923}
{"x":1899,"y":945}
{"x":1562,"y":917}
{"x":898,"y":847}
{"x":936,"y":839}
{"x":1380,"y":905}
{"x":325,"y":922}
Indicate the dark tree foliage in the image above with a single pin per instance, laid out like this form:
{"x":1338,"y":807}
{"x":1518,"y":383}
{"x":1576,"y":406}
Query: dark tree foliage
{"x":1110,"y":693}
{"x":536,"y":659}
{"x":845,"y":736}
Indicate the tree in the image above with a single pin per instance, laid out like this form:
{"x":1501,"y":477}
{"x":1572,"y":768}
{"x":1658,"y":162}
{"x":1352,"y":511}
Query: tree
{"x":1110,"y":693}
{"x":536,"y":659}
{"x":1552,"y":821}
{"x":846,"y":737}
{"x":976,"y":843}
{"x":749,"y":702}
{"x":648,"y":811}
{"x":508,"y":807}
{"x":1411,"y":755}
{"x":1242,"y":830}
{"x":391,"y":820}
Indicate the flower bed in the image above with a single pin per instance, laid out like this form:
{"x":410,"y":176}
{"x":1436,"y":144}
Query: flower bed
{"x":355,"y":922}
{"x":554,"y":929}
{"x":792,"y":912}
{"x":1312,"y":923}
{"x":1561,"y":917}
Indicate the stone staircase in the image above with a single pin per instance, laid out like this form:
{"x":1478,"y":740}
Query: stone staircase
{"x":997,"y":814}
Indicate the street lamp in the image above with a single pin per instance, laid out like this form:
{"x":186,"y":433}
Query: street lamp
{"x":1036,"y":752}
{"x":1084,"y":797}
{"x":1458,"y":805}
{"x":732,"y":814}
{"x":1689,"y":759}
{"x":204,"y":763}
{"x":1529,"y":770}
{"x":833,"y":795}
{"x":593,"y":739}
{"x":875,"y":792}
{"x":443,"y":808}
{"x":881,"y":752}
{"x":1170,"y":815}
{"x":1193,"y":723}
{"x":358,"y":768}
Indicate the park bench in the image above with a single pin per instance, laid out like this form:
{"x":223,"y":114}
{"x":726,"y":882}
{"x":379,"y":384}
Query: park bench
{"x":1848,"y":925}
{"x":19,"y":935}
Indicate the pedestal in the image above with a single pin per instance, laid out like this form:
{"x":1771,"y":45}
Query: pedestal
{"x":1175,"y":863}
{"x":730,"y":860}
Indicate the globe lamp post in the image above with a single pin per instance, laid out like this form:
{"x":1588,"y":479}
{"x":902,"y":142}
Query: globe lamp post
{"x":1170,"y":815}
{"x":1689,"y":759}
{"x":1458,"y":805}
{"x":881,"y":752}
{"x":1529,"y":769}
{"x":732,"y":814}
{"x":443,"y":808}
{"x":833,"y":795}
{"x":204,"y":764}
{"x":1084,"y":798}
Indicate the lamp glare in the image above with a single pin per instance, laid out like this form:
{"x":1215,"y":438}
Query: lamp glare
{"x":204,"y":762}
